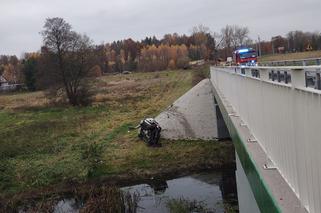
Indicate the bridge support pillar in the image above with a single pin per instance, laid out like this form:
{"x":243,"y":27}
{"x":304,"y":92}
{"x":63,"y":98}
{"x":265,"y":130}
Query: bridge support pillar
{"x":222,"y":131}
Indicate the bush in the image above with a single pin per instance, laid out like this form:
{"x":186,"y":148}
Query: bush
{"x":92,"y":155}
{"x":110,"y":199}
{"x":84,"y":97}
{"x":183,"y":205}
{"x":200,"y":74}
{"x":183,"y":63}
{"x":171,"y":64}
{"x":57,"y":96}
{"x":95,"y":71}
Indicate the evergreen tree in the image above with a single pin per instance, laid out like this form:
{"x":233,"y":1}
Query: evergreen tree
{"x":29,"y":71}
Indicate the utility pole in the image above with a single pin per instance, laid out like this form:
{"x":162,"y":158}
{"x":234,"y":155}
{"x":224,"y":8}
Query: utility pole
{"x":260,"y":51}
{"x":272,"y":42}
{"x":256,"y":48}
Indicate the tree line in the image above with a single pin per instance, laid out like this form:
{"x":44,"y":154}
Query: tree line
{"x":67,"y":58}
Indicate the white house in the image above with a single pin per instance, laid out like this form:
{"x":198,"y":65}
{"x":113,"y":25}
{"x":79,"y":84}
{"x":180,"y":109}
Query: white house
{"x":5,"y":86}
{"x":3,"y":81}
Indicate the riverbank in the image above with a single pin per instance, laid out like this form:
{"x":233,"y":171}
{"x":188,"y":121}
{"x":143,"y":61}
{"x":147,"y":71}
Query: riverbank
{"x":205,"y":191}
{"x":173,"y":159}
{"x":47,"y":147}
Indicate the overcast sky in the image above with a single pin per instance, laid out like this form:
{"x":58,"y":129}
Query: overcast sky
{"x":108,"y":20}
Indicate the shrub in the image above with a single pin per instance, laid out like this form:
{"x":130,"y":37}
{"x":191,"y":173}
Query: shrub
{"x":183,"y":205}
{"x":200,"y":74}
{"x":183,"y":63}
{"x":171,"y":64}
{"x":92,"y":155}
{"x":95,"y":71}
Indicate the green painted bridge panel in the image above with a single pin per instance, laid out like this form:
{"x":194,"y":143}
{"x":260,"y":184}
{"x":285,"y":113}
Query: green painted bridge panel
{"x":262,"y":194}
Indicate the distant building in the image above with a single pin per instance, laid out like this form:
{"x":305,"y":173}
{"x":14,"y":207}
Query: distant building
{"x":5,"y":86}
{"x":3,"y":81}
{"x":197,"y":63}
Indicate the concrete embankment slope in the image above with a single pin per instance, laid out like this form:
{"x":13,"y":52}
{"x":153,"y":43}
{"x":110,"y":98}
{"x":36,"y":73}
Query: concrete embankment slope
{"x":192,"y":116}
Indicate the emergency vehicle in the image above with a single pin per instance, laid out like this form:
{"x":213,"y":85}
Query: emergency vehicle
{"x":245,"y":57}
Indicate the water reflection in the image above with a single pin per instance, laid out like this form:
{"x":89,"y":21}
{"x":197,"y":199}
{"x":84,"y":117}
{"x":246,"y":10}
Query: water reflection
{"x":211,"y":191}
{"x":203,"y":192}
{"x":67,"y":205}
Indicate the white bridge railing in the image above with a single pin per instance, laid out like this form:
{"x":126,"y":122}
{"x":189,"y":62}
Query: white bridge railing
{"x":282,"y":108}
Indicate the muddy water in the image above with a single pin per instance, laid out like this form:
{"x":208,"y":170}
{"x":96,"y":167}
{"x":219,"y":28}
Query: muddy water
{"x":203,"y":192}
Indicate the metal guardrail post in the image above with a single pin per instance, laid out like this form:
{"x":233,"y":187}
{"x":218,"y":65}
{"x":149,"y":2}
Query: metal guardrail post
{"x":243,"y":71}
{"x":264,"y":74}
{"x":318,"y":81}
{"x":298,"y":78}
{"x":279,"y":76}
{"x":286,"y":77}
{"x":248,"y":72}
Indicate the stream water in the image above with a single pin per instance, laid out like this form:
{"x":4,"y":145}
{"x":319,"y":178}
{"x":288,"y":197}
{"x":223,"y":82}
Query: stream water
{"x":202,"y":192}
{"x":206,"y":192}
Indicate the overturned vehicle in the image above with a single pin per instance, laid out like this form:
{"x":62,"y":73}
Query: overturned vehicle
{"x":150,"y":131}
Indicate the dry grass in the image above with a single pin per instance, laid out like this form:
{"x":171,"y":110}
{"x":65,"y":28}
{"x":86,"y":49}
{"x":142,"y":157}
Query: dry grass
{"x":23,"y":100}
{"x":291,"y":56}
{"x":42,"y":145}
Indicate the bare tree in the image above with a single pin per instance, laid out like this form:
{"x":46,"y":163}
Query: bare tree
{"x":69,"y":58}
{"x":241,"y":35}
{"x":227,"y":35}
{"x":200,"y":29}
{"x":233,"y":37}
{"x":199,"y":34}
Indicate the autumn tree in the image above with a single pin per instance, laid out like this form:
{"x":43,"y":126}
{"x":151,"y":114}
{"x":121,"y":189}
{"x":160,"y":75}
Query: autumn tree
{"x":9,"y":74}
{"x":199,"y":34}
{"x":1,"y":69}
{"x":13,"y":73}
{"x":70,"y":58}
{"x":163,"y":57}
{"x":101,"y":58}
{"x":10,"y":69}
{"x":199,"y":48}
{"x":4,"y":60}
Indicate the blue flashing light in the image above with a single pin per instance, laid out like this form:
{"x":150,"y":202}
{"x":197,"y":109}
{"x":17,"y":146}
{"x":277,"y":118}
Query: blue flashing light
{"x":243,"y":50}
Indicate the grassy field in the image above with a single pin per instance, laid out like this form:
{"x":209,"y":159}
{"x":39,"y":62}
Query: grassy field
{"x":290,"y":56}
{"x":43,"y":145}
